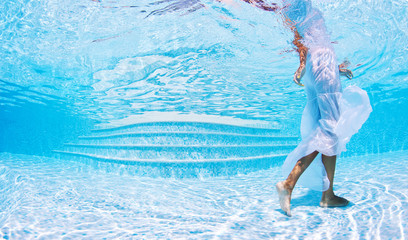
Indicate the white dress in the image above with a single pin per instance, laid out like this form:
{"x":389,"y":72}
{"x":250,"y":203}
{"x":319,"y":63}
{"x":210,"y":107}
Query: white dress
{"x":331,"y":115}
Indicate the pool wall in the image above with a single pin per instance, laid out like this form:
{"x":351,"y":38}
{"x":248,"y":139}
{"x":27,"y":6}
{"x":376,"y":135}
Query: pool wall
{"x":38,"y":128}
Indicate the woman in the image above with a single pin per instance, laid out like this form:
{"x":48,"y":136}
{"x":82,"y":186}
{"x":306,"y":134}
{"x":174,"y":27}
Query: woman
{"x":331,"y":116}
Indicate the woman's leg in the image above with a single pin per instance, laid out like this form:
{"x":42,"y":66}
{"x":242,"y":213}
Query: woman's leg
{"x":328,"y":197}
{"x":285,"y":187}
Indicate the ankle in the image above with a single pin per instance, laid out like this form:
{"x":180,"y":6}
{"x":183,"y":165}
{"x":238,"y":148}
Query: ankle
{"x":328,"y":194}
{"x":288,"y":186}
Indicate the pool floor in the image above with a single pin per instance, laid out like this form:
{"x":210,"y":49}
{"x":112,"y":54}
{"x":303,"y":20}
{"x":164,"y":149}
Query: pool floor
{"x":47,"y":198}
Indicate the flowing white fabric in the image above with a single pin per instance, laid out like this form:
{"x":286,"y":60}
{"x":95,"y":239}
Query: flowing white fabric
{"x":331,"y":116}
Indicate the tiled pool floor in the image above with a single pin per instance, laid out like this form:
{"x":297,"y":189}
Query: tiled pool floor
{"x":51,"y":198}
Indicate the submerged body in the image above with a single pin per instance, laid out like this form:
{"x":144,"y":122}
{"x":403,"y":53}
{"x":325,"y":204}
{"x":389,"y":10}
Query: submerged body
{"x":331,"y":115}
{"x":330,"y":118}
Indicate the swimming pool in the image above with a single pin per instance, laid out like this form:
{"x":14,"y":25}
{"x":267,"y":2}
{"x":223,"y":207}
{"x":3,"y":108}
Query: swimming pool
{"x":152,"y":120}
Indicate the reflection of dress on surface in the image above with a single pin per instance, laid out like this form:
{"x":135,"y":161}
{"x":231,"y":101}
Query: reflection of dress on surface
{"x":331,"y":116}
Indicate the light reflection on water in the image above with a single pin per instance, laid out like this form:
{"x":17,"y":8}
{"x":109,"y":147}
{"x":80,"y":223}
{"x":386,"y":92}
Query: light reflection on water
{"x":68,"y":66}
{"x":112,"y":60}
{"x":176,"y":56}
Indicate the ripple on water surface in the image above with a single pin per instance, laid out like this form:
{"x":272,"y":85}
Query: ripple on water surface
{"x":44,"y":197}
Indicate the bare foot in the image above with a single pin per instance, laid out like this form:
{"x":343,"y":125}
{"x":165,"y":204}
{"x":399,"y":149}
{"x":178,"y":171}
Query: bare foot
{"x":333,"y":201}
{"x":284,"y":198}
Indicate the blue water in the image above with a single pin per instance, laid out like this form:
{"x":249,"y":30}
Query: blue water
{"x":170,"y":120}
